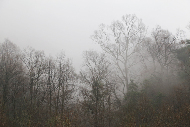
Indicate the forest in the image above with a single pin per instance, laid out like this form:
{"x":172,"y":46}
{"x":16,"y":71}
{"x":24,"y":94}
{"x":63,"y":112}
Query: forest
{"x":139,"y":79}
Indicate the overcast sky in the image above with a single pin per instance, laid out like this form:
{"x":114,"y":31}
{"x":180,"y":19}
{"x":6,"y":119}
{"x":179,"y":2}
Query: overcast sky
{"x":55,"y":25}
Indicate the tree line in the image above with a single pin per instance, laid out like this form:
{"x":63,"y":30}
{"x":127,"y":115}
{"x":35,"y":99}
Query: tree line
{"x":137,"y":80}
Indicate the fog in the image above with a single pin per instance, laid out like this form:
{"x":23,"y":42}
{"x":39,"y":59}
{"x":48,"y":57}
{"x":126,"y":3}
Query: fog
{"x":55,"y":25}
{"x":94,"y":63}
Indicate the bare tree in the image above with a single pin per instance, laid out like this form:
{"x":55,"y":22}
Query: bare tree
{"x":64,"y":87}
{"x":11,"y":78}
{"x":35,"y":64}
{"x":99,"y":92}
{"x":121,"y":41}
{"x":161,"y":50}
{"x":50,"y":80}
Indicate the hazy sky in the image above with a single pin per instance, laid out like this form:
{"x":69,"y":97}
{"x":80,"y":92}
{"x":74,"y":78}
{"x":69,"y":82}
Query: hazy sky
{"x":55,"y":25}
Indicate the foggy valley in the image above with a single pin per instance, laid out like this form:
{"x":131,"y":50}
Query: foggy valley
{"x":117,"y":73}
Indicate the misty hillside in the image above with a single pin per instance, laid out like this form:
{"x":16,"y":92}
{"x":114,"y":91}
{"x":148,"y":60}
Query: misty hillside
{"x":137,"y":79}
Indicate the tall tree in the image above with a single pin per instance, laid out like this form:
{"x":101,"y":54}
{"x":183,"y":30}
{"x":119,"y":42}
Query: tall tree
{"x":65,"y":85}
{"x":35,"y":64}
{"x":11,"y":78}
{"x":99,"y":90}
{"x":162,"y":48}
{"x":121,"y":41}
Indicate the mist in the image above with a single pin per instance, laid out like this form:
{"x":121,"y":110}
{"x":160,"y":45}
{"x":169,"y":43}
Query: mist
{"x":94,"y":63}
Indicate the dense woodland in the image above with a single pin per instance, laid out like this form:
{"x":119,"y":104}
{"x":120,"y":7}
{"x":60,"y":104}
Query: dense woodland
{"x":137,"y":80}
